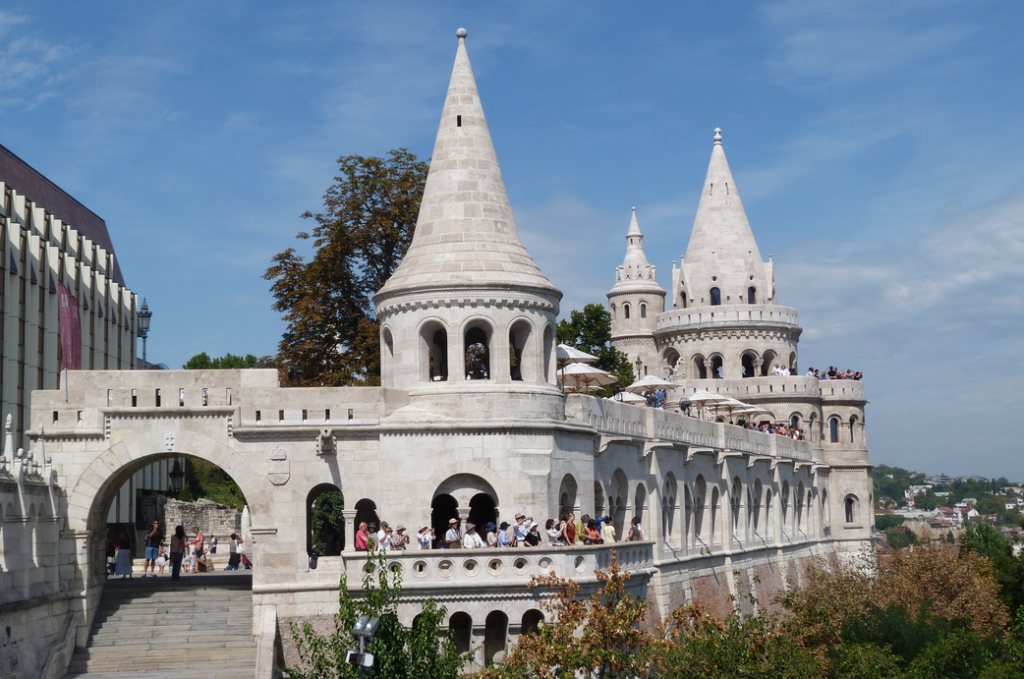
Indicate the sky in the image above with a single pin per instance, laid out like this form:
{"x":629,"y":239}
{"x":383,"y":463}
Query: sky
{"x":877,"y":148}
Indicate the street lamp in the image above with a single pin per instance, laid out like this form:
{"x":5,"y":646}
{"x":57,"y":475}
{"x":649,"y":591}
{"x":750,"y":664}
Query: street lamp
{"x":177,"y":475}
{"x":144,"y":315}
{"x":639,"y":367}
{"x":364,"y":628}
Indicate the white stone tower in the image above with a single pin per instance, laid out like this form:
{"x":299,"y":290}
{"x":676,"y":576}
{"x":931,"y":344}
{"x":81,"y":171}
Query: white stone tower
{"x":635,"y":301}
{"x":467,"y":309}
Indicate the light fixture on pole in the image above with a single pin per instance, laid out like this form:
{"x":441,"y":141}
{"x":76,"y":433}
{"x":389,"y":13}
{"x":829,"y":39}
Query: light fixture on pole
{"x":639,"y":367}
{"x":177,"y":476}
{"x":144,"y":315}
{"x":364,"y":628}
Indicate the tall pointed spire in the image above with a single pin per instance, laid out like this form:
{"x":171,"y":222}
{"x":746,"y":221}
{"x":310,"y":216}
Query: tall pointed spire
{"x":636,"y":273}
{"x":722,"y":252}
{"x":465,"y":234}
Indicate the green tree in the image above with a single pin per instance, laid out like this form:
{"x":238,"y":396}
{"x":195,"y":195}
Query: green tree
{"x":884,"y":522}
{"x":366,"y":226}
{"x":205,"y":480}
{"x":421,"y":652}
{"x":228,"y":362}
{"x":590,"y":330}
{"x":986,"y":541}
{"x":328,"y":520}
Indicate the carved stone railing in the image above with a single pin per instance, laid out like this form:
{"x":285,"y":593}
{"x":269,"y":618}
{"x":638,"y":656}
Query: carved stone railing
{"x":754,"y":314}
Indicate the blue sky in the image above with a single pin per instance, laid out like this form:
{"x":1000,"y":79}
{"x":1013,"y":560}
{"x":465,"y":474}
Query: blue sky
{"x":877,"y":147}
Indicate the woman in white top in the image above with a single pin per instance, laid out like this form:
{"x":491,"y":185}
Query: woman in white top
{"x":554,"y":533}
{"x":425,"y":537}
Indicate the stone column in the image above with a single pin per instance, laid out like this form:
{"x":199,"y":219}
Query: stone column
{"x":707,"y":368}
{"x":463,"y":518}
{"x":350,"y":529}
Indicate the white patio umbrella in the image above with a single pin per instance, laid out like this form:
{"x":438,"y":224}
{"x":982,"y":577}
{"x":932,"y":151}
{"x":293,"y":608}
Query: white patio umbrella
{"x":704,"y":398}
{"x":650,"y":383}
{"x":627,"y":397}
{"x":579,"y":377}
{"x":730,"y":404}
{"x":566,"y":354}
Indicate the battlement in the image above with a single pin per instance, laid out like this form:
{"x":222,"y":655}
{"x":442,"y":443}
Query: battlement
{"x":728,"y":314}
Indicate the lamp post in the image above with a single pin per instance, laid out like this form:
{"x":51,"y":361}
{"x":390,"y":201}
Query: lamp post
{"x":177,"y":476}
{"x":639,"y":367}
{"x":144,"y":315}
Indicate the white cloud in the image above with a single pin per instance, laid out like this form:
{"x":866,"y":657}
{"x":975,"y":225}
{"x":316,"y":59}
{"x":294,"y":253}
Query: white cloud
{"x":28,"y":73}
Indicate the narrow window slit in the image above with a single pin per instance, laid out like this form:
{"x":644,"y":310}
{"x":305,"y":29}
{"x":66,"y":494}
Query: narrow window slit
{"x":458,"y":121}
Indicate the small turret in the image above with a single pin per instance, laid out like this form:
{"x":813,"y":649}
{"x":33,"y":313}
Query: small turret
{"x":635,"y":301}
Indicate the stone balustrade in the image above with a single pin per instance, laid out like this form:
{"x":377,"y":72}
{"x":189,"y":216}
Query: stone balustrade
{"x":754,"y":314}
{"x":494,"y":567}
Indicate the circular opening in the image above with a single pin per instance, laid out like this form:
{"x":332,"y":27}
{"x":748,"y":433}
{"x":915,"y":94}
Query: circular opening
{"x":445,"y":568}
{"x":496,"y":566}
{"x":751,"y":278}
{"x":714,"y":278}
{"x":395,"y":568}
{"x":368,"y":568}
{"x":470,"y":566}
{"x":545,"y":563}
{"x":419,"y":568}
{"x":520,"y":565}
{"x":580,"y":564}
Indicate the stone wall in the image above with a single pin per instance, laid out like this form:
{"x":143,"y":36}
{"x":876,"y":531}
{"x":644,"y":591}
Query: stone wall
{"x":212,"y":519}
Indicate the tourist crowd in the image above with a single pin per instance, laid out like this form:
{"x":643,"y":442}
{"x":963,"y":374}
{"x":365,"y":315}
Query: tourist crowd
{"x":795,"y":433}
{"x":525,"y":532}
{"x":834,"y":373}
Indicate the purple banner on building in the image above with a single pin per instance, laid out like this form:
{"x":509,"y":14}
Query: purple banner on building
{"x":70,"y":329}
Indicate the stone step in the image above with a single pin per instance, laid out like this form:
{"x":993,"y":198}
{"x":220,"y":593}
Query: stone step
{"x":241,"y":640}
{"x":200,"y":673}
{"x":133,"y":666}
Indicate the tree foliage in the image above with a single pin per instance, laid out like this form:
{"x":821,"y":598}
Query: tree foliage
{"x":421,"y":652}
{"x":206,"y":480}
{"x":328,"y":518}
{"x":228,"y":362}
{"x":360,"y":237}
{"x":590,"y":330}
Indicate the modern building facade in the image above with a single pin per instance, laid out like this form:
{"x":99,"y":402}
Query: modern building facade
{"x":53,"y":248}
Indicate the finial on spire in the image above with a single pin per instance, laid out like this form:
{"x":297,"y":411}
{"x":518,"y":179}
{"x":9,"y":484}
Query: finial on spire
{"x":718,"y":136}
{"x":461,"y":34}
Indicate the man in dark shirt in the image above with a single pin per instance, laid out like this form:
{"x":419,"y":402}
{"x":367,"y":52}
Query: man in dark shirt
{"x":154,"y":538}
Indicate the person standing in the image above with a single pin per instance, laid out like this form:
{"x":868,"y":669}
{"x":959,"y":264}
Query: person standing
{"x":177,"y":551}
{"x":452,"y":538}
{"x":399,"y":540}
{"x":234,"y":556}
{"x":520,"y":530}
{"x":425,"y":537}
{"x":124,"y":556}
{"x":362,"y":539}
{"x":472,"y":539}
{"x":608,"y":531}
{"x":636,"y":533}
{"x":154,"y":539}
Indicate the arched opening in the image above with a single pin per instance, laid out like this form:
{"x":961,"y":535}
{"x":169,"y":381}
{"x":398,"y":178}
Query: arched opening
{"x":668,"y":506}
{"x":811,"y":427}
{"x":698,"y":507}
{"x":747,"y":362}
{"x":736,"y":506}
{"x":755,"y":508}
{"x":799,"y":507}
{"x":671,"y":359}
{"x":478,"y":353}
{"x":549,"y":350}
{"x":714,"y":516}
{"x":717,"y":368}
{"x":826,"y":516}
{"x":853,"y":422}
{"x":792,"y":364}
{"x":434,"y":352}
{"x":751,"y":295}
{"x":461,"y":627}
{"x":794,"y":421}
{"x":767,"y":362}
{"x":682,"y":300}
{"x":495,"y":635}
{"x":784,"y":504}
{"x":643,"y":311}
{"x":443,"y":508}
{"x":388,"y":367}
{"x":768,"y":513}
{"x":482,"y":510}
{"x":640,"y":503}
{"x":833,"y":429}
{"x":618,"y":492}
{"x":716,"y":297}
{"x":700,"y":368}
{"x":366,"y":512}
{"x":531,"y":621}
{"x":598,"y":500}
{"x":568,"y":495}
{"x":625,"y":311}
{"x":518,"y":344}
{"x":325,"y":525}
{"x":852,"y":509}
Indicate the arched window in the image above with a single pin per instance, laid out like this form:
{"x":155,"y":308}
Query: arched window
{"x":756,"y":507}
{"x":784,"y":502}
{"x":461,"y":626}
{"x":747,"y":361}
{"x":714,"y":514}
{"x":751,"y":295}
{"x":531,"y":621}
{"x":700,"y":369}
{"x":612,"y":310}
{"x":717,"y":368}
{"x":767,"y":361}
{"x":833,"y":429}
{"x":853,"y":421}
{"x":850,"y":505}
{"x":387,"y":369}
{"x":625,"y":311}
{"x":643,"y":311}
{"x":518,"y":341}
{"x":549,"y":350}
{"x":495,"y":634}
{"x":794,"y":421}
{"x":477,"y":354}
{"x":701,"y":488}
{"x":325,"y":532}
{"x":716,"y":297}
{"x":682,"y":300}
{"x":435,"y":352}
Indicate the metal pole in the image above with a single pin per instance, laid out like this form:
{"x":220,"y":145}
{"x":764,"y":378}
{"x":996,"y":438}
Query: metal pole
{"x":362,"y":650}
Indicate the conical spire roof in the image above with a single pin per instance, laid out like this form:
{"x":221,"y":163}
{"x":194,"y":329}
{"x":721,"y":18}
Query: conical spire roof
{"x":465,"y":234}
{"x":636,"y":273}
{"x":722,"y":252}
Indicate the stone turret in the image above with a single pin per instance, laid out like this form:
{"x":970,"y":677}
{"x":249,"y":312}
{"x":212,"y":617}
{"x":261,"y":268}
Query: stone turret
{"x":467,"y":308}
{"x":635,"y":301}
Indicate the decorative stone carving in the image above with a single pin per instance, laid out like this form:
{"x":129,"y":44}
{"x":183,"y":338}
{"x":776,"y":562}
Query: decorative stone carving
{"x":278,"y":469}
{"x":325,"y":443}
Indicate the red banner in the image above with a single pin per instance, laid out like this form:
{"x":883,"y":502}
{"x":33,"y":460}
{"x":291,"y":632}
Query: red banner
{"x":70,"y":329}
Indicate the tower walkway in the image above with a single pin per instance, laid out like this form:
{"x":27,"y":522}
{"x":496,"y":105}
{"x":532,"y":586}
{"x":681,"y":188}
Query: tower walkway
{"x":199,"y":627}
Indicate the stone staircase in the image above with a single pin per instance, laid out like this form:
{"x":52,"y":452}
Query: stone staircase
{"x":152,"y":628}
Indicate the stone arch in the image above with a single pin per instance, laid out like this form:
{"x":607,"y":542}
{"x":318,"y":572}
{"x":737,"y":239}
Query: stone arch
{"x":669,"y":495}
{"x":784,"y":504}
{"x":755,"y":507}
{"x":549,"y":353}
{"x":853,"y":426}
{"x":387,"y":355}
{"x":699,"y":502}
{"x":767,"y":360}
{"x":717,"y":366}
{"x":568,"y":495}
{"x":751,"y":295}
{"x":794,"y":419}
{"x":478,"y":348}
{"x":612,"y":311}
{"x":714,"y":527}
{"x":643,"y":309}
{"x":698,"y":368}
{"x":433,"y":359}
{"x":670,"y":357}
{"x":335,"y":536}
{"x":682,"y":299}
{"x":640,"y":502}
{"x":716,"y":296}
{"x":792,"y":363}
{"x":748,"y":363}
{"x":625,"y":311}
{"x":768,"y":529}
{"x":464,"y":486}
{"x":495,"y":635}
{"x":736,"y":503}
{"x":798,"y":507}
{"x":618,"y":494}
{"x":531,"y":621}
{"x":461,"y":626}
{"x":599,"y":506}
{"x":833,"y":429}
{"x":826,"y":514}
{"x":851,"y":508}
{"x":522,"y":366}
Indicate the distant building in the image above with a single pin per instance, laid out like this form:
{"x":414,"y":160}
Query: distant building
{"x":52,"y":248}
